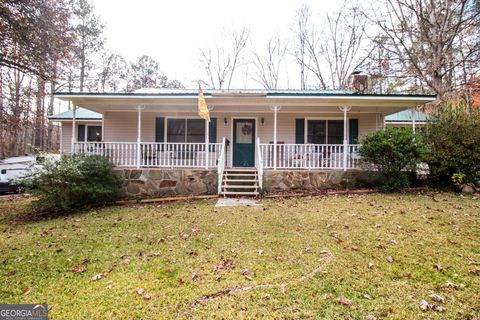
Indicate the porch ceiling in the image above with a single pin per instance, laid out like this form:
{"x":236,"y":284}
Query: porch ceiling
{"x":387,"y":104}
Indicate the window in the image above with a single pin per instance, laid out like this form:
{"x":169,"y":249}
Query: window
{"x":87,"y":133}
{"x":325,"y":131}
{"x":94,"y":133}
{"x":185,"y":130}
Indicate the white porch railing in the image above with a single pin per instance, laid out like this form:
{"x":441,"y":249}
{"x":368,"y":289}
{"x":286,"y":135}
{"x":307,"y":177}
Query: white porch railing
{"x":310,"y":156}
{"x":221,"y":165}
{"x":259,"y":164}
{"x":124,"y":154}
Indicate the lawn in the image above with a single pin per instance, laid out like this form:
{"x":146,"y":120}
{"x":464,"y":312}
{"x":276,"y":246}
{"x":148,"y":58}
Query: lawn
{"x":343,"y":257}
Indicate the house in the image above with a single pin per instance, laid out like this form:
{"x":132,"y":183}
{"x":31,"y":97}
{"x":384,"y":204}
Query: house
{"x":271,"y":140}
{"x":414,"y":119}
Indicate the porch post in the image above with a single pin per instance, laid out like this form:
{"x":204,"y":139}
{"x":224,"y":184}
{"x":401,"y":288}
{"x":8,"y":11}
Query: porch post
{"x":345,"y":141}
{"x":275,"y":110}
{"x":139,"y":134}
{"x":207,"y":140}
{"x":413,"y":119}
{"x":74,"y":124}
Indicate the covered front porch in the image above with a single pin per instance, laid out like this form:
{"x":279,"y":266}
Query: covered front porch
{"x":253,"y":129}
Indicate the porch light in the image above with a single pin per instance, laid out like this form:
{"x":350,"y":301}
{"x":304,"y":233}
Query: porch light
{"x":225,"y":121}
{"x":262,"y":121}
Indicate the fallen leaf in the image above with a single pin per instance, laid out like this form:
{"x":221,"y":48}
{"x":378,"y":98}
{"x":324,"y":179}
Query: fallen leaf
{"x":424,"y":305}
{"x":371,"y":265}
{"x":437,"y":298}
{"x":438,"y":267}
{"x":126,"y":262}
{"x":147,"y":296}
{"x":437,"y":308}
{"x":26,"y":291}
{"x":245,"y":272}
{"x":367,"y":296}
{"x":140,"y":291}
{"x":78,"y":269}
{"x":475,"y":271}
{"x":354,"y":248}
{"x":390,"y":259}
{"x":153,"y":254}
{"x":224,"y":264}
{"x":344,"y":301}
{"x":99,"y":276}
{"x":183,"y":235}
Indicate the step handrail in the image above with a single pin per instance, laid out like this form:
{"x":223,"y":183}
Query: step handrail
{"x":259,"y":165}
{"x":221,"y":166}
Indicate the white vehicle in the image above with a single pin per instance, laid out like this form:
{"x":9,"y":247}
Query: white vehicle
{"x":17,"y":167}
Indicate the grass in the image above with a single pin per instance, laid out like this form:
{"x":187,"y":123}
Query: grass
{"x":432,"y":238}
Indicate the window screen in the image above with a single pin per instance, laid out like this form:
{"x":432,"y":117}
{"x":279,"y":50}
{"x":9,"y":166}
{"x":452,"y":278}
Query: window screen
{"x":186,"y":130}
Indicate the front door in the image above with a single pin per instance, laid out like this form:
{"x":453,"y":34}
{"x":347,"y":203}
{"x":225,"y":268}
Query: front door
{"x":243,"y":142}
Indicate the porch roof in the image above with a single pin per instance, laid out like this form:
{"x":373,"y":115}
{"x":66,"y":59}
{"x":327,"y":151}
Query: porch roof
{"x":185,"y":100}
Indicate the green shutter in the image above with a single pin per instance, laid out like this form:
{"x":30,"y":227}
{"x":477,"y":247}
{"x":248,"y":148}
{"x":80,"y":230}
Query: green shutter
{"x":212,"y":130}
{"x":160,"y":129}
{"x":299,"y":131}
{"x":353,"y":131}
{"x":81,"y":132}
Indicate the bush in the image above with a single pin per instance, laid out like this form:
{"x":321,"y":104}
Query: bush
{"x":395,"y":152}
{"x":74,"y":182}
{"x":453,"y":137}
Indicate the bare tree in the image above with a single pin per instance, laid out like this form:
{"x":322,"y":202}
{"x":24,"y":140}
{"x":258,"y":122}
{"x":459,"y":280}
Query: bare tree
{"x":344,"y":45}
{"x":302,"y":34}
{"x":221,"y":62}
{"x":436,"y":40}
{"x":267,"y":64}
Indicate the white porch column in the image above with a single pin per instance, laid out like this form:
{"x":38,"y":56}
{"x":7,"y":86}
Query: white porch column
{"x":275,"y":110}
{"x":74,"y":124}
{"x":139,"y":135}
{"x":207,"y":140}
{"x":345,"y":141}
{"x":413,"y":119}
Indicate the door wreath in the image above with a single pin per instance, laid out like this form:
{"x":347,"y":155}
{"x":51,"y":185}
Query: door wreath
{"x":246,"y":129}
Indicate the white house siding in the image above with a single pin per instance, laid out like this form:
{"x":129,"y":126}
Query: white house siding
{"x":122,"y":126}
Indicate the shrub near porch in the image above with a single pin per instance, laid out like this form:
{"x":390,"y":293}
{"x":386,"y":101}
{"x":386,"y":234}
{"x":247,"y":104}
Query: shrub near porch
{"x":154,"y":261}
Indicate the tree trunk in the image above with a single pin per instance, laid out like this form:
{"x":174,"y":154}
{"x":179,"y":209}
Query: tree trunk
{"x":40,"y":115}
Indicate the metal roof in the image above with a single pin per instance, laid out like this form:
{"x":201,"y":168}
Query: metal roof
{"x":239,"y":92}
{"x":406,"y":116}
{"x":80,"y":114}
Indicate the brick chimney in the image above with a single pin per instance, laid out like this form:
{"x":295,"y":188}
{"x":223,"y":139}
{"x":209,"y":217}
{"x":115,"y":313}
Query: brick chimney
{"x":358,"y":82}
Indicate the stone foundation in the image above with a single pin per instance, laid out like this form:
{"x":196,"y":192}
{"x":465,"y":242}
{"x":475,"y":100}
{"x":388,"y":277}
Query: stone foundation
{"x":317,"y":180}
{"x":140,"y":183}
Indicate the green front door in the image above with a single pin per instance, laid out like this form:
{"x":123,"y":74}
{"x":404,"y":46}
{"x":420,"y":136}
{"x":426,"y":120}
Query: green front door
{"x":243,"y":142}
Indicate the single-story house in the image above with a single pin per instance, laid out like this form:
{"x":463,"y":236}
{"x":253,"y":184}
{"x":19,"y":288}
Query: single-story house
{"x":270,"y":140}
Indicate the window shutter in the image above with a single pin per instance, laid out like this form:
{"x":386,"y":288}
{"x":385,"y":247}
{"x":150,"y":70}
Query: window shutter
{"x":81,"y":132}
{"x":299,"y":131}
{"x":212,"y":130}
{"x":353,"y":131}
{"x":160,"y":129}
